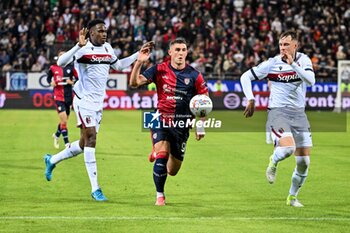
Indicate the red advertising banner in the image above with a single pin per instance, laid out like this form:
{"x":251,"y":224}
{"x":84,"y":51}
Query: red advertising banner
{"x":128,"y":100}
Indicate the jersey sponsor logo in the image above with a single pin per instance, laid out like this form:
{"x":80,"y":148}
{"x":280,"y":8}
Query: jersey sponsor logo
{"x":95,"y":59}
{"x":168,"y":89}
{"x":174,"y":98}
{"x":99,"y":59}
{"x":284,"y":77}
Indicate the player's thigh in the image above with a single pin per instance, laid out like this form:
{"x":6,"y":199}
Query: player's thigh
{"x":178,"y":142}
{"x":88,"y":137}
{"x":303,"y":151}
{"x":63,"y":117}
{"x":178,"y":145}
{"x":68,"y":106}
{"x":162,"y":146}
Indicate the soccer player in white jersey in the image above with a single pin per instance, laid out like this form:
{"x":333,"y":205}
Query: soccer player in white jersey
{"x":92,"y":57}
{"x":289,"y":73}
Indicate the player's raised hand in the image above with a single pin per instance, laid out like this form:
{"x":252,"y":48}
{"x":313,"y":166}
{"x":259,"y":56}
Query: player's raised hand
{"x":82,"y":37}
{"x":287,"y":57}
{"x":249,"y":109}
{"x":145,"y":51}
{"x":147,"y":47}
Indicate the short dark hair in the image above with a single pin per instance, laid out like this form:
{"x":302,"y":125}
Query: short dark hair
{"x":178,"y":40}
{"x":293,"y":34}
{"x":94,"y":22}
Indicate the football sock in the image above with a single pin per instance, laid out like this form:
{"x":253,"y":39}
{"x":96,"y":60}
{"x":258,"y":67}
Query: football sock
{"x":300,"y":173}
{"x":73,"y":150}
{"x":280,"y":153}
{"x":91,"y":167}
{"x":58,"y":132}
{"x":64,"y":131}
{"x":160,"y":170}
{"x":160,"y":194}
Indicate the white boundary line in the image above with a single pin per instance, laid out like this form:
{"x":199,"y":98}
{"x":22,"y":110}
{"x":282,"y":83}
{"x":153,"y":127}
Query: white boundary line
{"x":139,"y":218}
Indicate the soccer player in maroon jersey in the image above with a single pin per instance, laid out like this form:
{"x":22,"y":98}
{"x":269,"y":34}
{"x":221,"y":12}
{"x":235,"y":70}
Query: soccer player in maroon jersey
{"x":176,"y":84}
{"x":62,"y":79}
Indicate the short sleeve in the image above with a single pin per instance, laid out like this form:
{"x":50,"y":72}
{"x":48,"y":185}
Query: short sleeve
{"x":150,"y":73}
{"x":200,"y":85}
{"x":262,"y":70}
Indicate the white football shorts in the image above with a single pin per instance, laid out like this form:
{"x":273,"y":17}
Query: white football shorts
{"x":283,"y":122}
{"x":86,"y":117}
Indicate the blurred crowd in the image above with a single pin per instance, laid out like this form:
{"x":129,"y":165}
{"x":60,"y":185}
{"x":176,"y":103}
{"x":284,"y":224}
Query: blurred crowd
{"x":226,"y":36}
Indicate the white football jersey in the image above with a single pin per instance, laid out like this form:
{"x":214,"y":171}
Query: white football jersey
{"x":92,"y":64}
{"x":287,"y":89}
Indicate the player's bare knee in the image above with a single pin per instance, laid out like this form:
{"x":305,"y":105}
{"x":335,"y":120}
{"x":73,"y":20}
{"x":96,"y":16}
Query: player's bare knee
{"x":90,"y":139}
{"x":172,"y":172}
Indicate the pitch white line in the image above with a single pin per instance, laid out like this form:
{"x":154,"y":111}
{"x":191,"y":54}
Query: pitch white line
{"x":140,"y":218}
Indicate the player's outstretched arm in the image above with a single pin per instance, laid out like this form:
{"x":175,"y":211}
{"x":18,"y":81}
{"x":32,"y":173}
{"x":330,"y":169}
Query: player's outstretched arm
{"x":126,"y":62}
{"x":68,"y":56}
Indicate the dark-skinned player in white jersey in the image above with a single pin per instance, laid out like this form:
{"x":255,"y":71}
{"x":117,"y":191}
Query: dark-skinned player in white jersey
{"x":93,"y":57}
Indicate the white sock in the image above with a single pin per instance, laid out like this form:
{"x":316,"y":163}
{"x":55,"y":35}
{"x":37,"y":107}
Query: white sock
{"x":280,"y":153}
{"x":299,"y":175}
{"x":73,"y":150}
{"x":160,"y":194}
{"x":91,"y":167}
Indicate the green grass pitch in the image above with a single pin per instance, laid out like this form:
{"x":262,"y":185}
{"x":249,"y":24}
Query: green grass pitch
{"x":221,"y":186}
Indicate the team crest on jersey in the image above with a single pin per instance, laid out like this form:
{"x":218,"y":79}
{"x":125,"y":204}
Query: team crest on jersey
{"x":92,"y":48}
{"x":165,"y":77}
{"x":88,"y":119}
{"x":187,"y":81}
{"x":68,"y":71}
{"x":280,"y":67}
